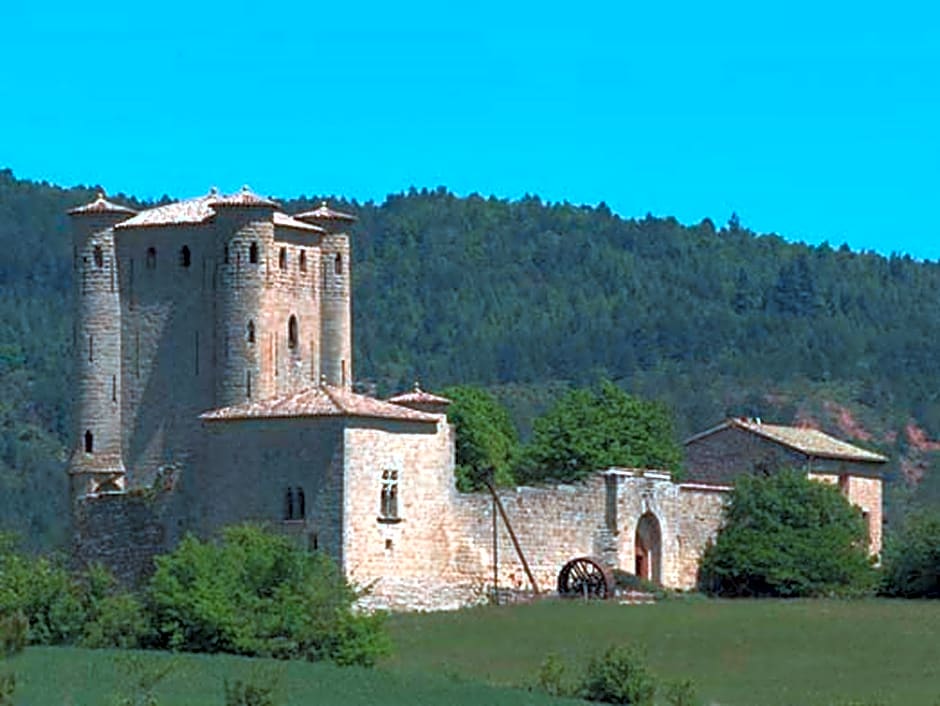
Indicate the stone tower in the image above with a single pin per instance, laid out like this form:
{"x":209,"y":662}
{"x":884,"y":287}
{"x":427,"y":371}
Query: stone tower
{"x":96,"y":464}
{"x":335,"y":294}
{"x":245,"y":239}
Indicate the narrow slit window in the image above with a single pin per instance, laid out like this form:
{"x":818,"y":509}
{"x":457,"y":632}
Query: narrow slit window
{"x":248,"y":383}
{"x":338,"y":264}
{"x":292,"y":335}
{"x":250,"y":332}
{"x":253,"y":254}
{"x":151,"y":258}
{"x":114,"y":388}
{"x":289,"y":504}
{"x":301,"y":505}
{"x":282,"y":259}
{"x":91,"y":349}
{"x":225,"y":254}
{"x":186,"y":257}
{"x":89,"y":442}
{"x":98,"y":256}
{"x":303,"y":261}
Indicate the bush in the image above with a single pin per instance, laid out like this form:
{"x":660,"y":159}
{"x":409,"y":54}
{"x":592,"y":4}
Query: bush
{"x":619,"y":676}
{"x":912,"y":557}
{"x":14,"y":631}
{"x":256,"y":593}
{"x":625,"y":581}
{"x":551,"y":677}
{"x":121,"y":621}
{"x":786,"y":535}
{"x":260,"y":688}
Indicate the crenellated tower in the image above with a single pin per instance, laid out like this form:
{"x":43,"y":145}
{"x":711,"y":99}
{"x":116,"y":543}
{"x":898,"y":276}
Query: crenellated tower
{"x":335,"y":294}
{"x":96,"y":465}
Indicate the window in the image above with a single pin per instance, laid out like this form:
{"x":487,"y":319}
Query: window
{"x":338,"y":264}
{"x":185,"y":256}
{"x":89,"y":442}
{"x":388,"y":509}
{"x":225,"y":254}
{"x":151,"y":258}
{"x":295,"y":504}
{"x":98,"y":256}
{"x":250,"y":332}
{"x":303,"y":260}
{"x":253,"y":254}
{"x":91,"y":349}
{"x":292,"y":333}
{"x":282,"y":258}
{"x":248,"y":384}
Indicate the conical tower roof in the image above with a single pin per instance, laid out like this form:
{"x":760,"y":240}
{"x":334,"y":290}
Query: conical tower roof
{"x":101,"y":205}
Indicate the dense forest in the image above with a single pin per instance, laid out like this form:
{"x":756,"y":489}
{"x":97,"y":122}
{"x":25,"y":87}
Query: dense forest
{"x":528,"y":298}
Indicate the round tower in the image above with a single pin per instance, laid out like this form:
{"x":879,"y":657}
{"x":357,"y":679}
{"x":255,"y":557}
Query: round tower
{"x":95,"y":464}
{"x":335,"y":294}
{"x":244,"y":225}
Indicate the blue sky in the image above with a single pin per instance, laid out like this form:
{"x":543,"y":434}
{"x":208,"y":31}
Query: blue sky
{"x":817,"y":120}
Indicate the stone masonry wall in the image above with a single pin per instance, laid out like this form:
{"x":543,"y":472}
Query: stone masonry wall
{"x":866,"y":494}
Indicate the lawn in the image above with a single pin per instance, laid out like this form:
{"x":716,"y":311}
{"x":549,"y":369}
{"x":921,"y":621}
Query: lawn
{"x":738,"y":653}
{"x":742,"y":653}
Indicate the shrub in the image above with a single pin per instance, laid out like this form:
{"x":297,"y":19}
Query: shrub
{"x":551,"y":677}
{"x":256,"y":593}
{"x":619,"y":676}
{"x":681,"y":693}
{"x":7,"y":689}
{"x":912,"y":557}
{"x":786,"y":535}
{"x":42,"y":590}
{"x":121,"y":621}
{"x":14,"y":631}
{"x":260,"y":688}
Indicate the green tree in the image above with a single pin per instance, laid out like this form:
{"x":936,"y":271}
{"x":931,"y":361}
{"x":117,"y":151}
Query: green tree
{"x":592,"y":429}
{"x":257,"y":593}
{"x":786,"y":535}
{"x":487,"y":442}
{"x":912,"y":557}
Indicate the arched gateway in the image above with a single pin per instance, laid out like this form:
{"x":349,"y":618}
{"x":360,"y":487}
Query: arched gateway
{"x":648,"y":549}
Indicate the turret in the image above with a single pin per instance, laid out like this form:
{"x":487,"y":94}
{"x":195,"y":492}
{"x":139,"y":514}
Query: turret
{"x":335,"y":294}
{"x":245,"y":241}
{"x":95,"y":464}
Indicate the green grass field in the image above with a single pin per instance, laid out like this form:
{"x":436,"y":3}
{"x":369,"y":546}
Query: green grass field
{"x":745,"y":653}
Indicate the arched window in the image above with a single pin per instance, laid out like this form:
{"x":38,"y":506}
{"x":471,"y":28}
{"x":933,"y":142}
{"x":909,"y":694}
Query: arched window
{"x":185,"y":256}
{"x":338,"y":264}
{"x":301,"y":504}
{"x":99,"y":256}
{"x":282,"y":259}
{"x":89,"y":442}
{"x":253,"y":253}
{"x":151,"y":258}
{"x":292,"y":336}
{"x":303,"y":260}
{"x":250,"y":332}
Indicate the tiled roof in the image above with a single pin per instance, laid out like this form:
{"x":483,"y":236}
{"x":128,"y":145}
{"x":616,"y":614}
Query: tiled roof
{"x":282,"y":220}
{"x":418,"y":396}
{"x":325,"y":213}
{"x":101,"y":205}
{"x":811,"y":442}
{"x":188,"y":212}
{"x":322,"y":401}
{"x":202,"y":208}
{"x":245,"y":198}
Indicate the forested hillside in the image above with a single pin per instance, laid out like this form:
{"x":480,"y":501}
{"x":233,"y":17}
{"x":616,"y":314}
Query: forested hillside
{"x":527,"y":298}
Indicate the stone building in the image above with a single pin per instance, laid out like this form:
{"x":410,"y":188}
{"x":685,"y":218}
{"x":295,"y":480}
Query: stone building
{"x":738,"y":446}
{"x":213,"y":344}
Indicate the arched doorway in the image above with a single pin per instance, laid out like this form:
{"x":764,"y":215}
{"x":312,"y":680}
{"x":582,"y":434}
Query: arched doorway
{"x":648,"y":549}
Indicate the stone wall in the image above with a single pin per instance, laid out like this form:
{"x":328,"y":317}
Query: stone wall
{"x":123,"y":532}
{"x":866,"y":494}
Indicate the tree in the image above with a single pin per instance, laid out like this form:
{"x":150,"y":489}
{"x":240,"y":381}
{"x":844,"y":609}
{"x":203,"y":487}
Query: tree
{"x":786,"y":535}
{"x":592,"y":429}
{"x":487,"y":441}
{"x":912,"y":557}
{"x":257,"y":593}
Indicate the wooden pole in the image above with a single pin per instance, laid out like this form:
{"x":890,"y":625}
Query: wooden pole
{"x":495,"y":552}
{"x":512,"y":535}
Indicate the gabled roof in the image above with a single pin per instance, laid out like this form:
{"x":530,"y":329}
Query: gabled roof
{"x":101,"y":205}
{"x":322,"y":401}
{"x":282,"y":220}
{"x":202,"y":209}
{"x":811,"y":442}
{"x":419,"y":396}
{"x":325,"y":213}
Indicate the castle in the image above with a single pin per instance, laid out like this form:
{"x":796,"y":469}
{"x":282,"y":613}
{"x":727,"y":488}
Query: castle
{"x":214,"y":369}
